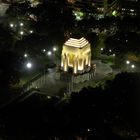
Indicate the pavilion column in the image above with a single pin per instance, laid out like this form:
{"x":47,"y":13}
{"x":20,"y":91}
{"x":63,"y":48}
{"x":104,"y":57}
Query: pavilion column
{"x":83,"y":64}
{"x":89,"y":59}
{"x":68,"y":59}
{"x":75,"y":65}
{"x":62,"y":61}
{"x":65,"y":63}
{"x":80,"y":62}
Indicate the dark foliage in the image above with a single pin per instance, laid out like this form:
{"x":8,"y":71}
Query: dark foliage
{"x":91,"y":113}
{"x":10,"y":66}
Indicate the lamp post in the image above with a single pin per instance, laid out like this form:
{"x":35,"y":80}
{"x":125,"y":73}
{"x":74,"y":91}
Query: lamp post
{"x":113,"y":55}
{"x":49,"y":53}
{"x":44,"y":50}
{"x":31,"y":31}
{"x":127,"y":63}
{"x":21,"y":24}
{"x":54,"y":50}
{"x":102,"y":49}
{"x":11,"y":25}
{"x":132,"y":66}
{"x":29,"y":65}
{"x":25,"y":55}
{"x":21,"y":34}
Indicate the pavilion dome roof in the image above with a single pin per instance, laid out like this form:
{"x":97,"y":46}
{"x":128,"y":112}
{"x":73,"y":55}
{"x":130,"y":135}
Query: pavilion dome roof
{"x":78,"y":43}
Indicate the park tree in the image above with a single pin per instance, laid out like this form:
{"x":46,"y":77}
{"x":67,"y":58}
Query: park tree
{"x":7,"y":38}
{"x":116,"y":44}
{"x":91,"y":113}
{"x":33,"y":44}
{"x":125,"y":90}
{"x":10,"y":68}
{"x":102,"y":110}
{"x":93,"y":38}
{"x":19,"y":10}
{"x":121,"y":44}
{"x":129,"y":24}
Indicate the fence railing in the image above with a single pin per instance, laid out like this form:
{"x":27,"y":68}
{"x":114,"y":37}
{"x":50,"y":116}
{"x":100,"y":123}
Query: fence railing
{"x":71,"y":80}
{"x":36,"y":82}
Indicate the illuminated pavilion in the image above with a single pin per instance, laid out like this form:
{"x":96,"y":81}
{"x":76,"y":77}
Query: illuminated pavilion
{"x":76,"y":54}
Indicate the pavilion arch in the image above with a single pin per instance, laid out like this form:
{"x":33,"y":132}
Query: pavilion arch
{"x":76,"y":53}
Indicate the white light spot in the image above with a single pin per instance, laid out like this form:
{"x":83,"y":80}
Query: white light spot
{"x":25,"y":55}
{"x":31,"y":31}
{"x":54,"y":49}
{"x":132,"y":66}
{"x":21,"y":32}
{"x":29,"y":65}
{"x":11,"y":25}
{"x":102,"y":49}
{"x":49,"y":53}
{"x":49,"y":97}
{"x":21,"y":24}
{"x":44,"y":50}
{"x":127,"y":62}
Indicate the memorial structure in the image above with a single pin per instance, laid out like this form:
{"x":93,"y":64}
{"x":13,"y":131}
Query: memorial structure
{"x":76,"y":54}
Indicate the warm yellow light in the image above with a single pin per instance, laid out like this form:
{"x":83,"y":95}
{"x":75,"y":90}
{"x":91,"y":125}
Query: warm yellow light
{"x":76,"y":53}
{"x":79,"y":43}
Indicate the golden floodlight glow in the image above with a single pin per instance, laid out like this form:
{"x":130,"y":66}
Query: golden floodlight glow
{"x":76,"y":53}
{"x":79,"y":43}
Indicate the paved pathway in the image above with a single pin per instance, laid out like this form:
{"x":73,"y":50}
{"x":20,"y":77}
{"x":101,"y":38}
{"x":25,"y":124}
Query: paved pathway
{"x":52,"y":86}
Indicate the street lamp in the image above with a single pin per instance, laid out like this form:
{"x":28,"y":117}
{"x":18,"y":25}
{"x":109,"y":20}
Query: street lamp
{"x":31,"y":31}
{"x":54,"y":49}
{"x":102,"y":49}
{"x":11,"y":25}
{"x":29,"y":65}
{"x":127,"y":62}
{"x":25,"y":55}
{"x":44,"y":50}
{"x":49,"y":53}
{"x":132,"y":66}
{"x":21,"y":32}
{"x":114,"y":54}
{"x":21,"y":24}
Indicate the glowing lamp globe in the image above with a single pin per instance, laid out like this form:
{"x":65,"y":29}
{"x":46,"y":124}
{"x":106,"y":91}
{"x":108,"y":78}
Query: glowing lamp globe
{"x":29,"y":65}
